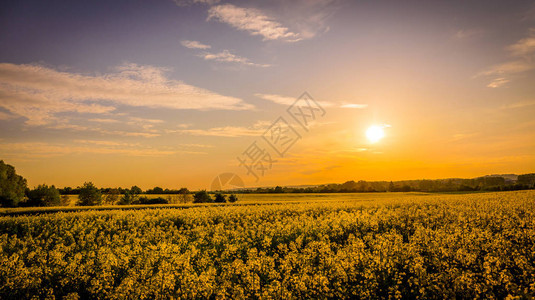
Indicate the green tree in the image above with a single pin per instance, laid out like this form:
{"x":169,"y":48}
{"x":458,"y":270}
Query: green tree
{"x":184,"y":195}
{"x":44,"y":195}
{"x":12,"y":186}
{"x":128,"y":198}
{"x":232,"y":198}
{"x":111,"y":196}
{"x":89,"y":195}
{"x":220,"y":198}
{"x":202,"y":197}
{"x":135,"y":190}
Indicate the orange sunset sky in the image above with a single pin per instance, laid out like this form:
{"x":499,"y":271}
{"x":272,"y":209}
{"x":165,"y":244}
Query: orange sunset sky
{"x":170,"y":93}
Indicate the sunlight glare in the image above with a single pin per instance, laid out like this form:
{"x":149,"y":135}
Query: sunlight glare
{"x":375,"y":133}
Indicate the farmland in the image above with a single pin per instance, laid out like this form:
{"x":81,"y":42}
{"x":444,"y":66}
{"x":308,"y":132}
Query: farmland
{"x":388,"y":245}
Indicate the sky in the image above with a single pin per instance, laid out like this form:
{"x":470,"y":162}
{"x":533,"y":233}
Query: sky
{"x":174,"y":93}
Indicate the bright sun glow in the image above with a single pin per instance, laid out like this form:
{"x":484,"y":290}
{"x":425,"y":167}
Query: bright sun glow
{"x":375,"y":133}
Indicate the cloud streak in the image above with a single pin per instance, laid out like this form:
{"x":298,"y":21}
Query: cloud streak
{"x":37,"y":92}
{"x":285,"y":100}
{"x":226,"y":56}
{"x":523,"y":52}
{"x":39,"y":150}
{"x":252,"y":21}
{"x":194,"y":45}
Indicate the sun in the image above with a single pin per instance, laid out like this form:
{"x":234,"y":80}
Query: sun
{"x":375,"y":133}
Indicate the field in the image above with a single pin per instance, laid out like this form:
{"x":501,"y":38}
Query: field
{"x":292,"y":246}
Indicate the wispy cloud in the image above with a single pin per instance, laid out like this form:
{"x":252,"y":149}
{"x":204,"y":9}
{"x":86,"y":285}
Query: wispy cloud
{"x":226,"y":56}
{"x":252,"y":20}
{"x":37,"y":92}
{"x":519,"y":104}
{"x":285,"y":100}
{"x":354,"y":105}
{"x":523,"y":52}
{"x":194,"y":45}
{"x":98,"y":120}
{"x":6,"y":116}
{"x":229,"y":131}
{"x":525,"y":46}
{"x":467,"y":33}
{"x":35,"y":150}
{"x":498,"y":82}
{"x":191,"y":2}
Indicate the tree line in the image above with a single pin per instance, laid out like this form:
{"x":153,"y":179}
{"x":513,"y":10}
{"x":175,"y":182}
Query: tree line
{"x":15,"y":192}
{"x":485,"y":183}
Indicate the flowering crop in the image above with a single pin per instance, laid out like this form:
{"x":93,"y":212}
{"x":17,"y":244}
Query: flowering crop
{"x":438,"y":246}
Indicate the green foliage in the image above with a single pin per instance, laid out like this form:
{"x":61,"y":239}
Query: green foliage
{"x":111,"y":197}
{"x":128,"y":198}
{"x":202,"y":197}
{"x":135,"y":190}
{"x":219,"y":198}
{"x":527,"y":179}
{"x":232,"y":198}
{"x":476,"y":246}
{"x":155,"y":190}
{"x":12,"y":186}
{"x":44,"y":195}
{"x":145,"y":200}
{"x":89,"y":195}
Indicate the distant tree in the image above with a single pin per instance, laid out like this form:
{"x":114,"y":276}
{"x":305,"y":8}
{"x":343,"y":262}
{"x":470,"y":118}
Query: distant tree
{"x":145,"y":200}
{"x":232,"y":198}
{"x":44,"y":195}
{"x":89,"y":195}
{"x":112,"y":196}
{"x":202,"y":197}
{"x":527,"y":179}
{"x":128,"y":198}
{"x":12,"y":186}
{"x":184,"y":195}
{"x":220,"y":198}
{"x":406,"y":188}
{"x":135,"y":190}
{"x":391,"y":187}
{"x":156,"y":190}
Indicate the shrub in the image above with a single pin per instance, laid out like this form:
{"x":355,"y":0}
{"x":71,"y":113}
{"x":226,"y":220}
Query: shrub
{"x":202,"y":197}
{"x":232,"y":198}
{"x":44,"y":195}
{"x":220,"y":198}
{"x":146,"y":200}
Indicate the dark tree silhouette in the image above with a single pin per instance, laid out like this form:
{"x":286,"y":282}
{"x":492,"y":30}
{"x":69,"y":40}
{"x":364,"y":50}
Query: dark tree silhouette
{"x":44,"y":195}
{"x":89,"y":195}
{"x":220,"y":198}
{"x":202,"y":197}
{"x":12,"y":186}
{"x":232,"y":198}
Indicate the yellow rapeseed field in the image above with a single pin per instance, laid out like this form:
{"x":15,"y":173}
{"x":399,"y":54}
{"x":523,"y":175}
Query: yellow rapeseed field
{"x":388,"y":245}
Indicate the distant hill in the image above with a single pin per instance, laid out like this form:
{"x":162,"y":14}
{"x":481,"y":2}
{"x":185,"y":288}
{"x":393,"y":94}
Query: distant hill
{"x":509,"y":177}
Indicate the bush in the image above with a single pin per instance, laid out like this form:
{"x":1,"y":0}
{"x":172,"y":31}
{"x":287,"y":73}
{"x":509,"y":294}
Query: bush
{"x":89,"y":195}
{"x":202,"y":197}
{"x":127,"y":199}
{"x":43,"y":195}
{"x":232,"y":198}
{"x":145,"y":200}
{"x":220,"y":198}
